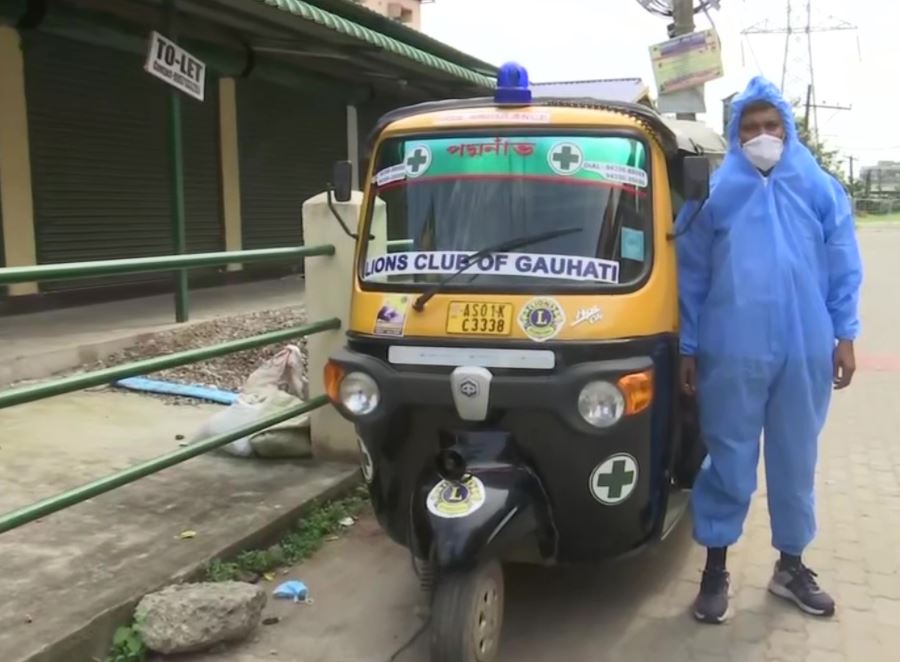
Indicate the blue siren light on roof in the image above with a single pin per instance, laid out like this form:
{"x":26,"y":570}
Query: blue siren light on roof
{"x":512,"y":85}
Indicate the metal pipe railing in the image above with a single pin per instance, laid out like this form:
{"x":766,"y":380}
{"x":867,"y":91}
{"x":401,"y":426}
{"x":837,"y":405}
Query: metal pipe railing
{"x":75,"y":270}
{"x":33,"y":392}
{"x":77,"y":495}
{"x":71,"y":271}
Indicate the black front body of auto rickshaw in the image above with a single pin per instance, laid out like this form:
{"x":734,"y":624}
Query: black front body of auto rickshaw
{"x":511,"y":359}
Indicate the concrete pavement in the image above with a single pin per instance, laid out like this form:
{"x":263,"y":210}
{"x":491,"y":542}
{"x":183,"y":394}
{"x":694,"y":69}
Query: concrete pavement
{"x":367,"y":602}
{"x":68,"y":580}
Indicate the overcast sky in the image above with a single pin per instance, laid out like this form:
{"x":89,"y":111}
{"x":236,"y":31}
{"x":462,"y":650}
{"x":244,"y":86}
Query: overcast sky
{"x":583,"y":39}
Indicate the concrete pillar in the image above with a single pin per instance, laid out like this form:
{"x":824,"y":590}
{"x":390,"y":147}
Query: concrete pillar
{"x":15,"y":161}
{"x":231,"y":169}
{"x":353,"y":143}
{"x":329,"y":284}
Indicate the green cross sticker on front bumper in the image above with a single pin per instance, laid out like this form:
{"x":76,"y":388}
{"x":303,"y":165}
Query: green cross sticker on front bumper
{"x":613,"y":481}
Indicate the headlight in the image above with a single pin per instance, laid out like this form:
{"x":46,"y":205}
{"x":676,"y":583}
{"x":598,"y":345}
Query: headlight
{"x":601,"y":404}
{"x":359,"y":393}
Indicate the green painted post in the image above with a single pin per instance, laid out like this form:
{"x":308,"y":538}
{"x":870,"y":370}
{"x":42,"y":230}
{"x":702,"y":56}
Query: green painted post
{"x":176,"y":159}
{"x":179,"y":232}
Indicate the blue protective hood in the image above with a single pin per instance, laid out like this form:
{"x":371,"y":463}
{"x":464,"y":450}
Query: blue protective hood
{"x":767,"y":256}
{"x":760,"y":89}
{"x":798,"y":167}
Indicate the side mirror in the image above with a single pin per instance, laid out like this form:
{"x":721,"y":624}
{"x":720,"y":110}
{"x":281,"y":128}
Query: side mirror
{"x":342,"y":180}
{"x":695,"y":184}
{"x":341,"y":189}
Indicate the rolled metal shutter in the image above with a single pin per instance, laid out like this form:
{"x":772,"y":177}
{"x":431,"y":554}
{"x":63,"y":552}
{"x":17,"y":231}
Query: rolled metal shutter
{"x":288,"y":142}
{"x":98,"y":129}
{"x":4,"y":290}
{"x":2,"y":245}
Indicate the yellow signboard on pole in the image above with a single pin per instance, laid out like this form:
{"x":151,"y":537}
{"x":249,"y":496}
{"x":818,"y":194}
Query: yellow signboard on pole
{"x":686,"y":62}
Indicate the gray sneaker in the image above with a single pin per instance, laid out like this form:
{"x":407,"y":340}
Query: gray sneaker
{"x":711,"y":604}
{"x":798,"y":584}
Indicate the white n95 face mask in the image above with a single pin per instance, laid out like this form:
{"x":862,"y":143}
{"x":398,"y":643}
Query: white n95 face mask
{"x":764,"y":151}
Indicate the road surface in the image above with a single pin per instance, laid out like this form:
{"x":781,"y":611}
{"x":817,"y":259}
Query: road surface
{"x":367,"y":603}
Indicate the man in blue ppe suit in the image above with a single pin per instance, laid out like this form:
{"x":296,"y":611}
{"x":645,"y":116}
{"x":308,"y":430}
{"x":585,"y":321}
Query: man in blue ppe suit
{"x":769,"y":279}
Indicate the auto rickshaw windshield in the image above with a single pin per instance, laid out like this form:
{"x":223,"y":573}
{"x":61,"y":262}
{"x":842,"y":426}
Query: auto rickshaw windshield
{"x":444,"y":198}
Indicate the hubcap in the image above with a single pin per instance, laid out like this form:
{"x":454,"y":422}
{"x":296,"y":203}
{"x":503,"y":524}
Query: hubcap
{"x":486,"y":622}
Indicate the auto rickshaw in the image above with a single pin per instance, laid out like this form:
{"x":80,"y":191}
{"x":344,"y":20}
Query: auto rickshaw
{"x":511,"y":358}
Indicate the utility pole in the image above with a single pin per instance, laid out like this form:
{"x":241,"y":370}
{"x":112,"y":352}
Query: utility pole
{"x":809,"y":90}
{"x":683,"y":13}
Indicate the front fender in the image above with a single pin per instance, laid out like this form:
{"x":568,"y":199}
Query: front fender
{"x":499,"y":505}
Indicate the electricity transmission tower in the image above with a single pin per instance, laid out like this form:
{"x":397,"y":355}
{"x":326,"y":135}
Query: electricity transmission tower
{"x":798,"y":71}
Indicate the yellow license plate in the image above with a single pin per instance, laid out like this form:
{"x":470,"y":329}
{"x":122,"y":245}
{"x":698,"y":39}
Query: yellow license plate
{"x":477,"y":318}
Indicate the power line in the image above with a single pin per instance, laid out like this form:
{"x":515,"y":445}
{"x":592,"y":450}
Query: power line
{"x":888,"y":148}
{"x":749,"y":42}
{"x":798,"y":29}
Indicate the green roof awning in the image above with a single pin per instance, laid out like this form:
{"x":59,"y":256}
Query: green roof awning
{"x":348,"y":28}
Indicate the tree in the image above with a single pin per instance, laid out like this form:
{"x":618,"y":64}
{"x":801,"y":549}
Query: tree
{"x":829,"y":159}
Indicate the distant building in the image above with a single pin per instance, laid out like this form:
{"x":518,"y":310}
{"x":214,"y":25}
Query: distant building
{"x":884,"y":177}
{"x":631,"y":90}
{"x":85,"y":131}
{"x":407,"y":12}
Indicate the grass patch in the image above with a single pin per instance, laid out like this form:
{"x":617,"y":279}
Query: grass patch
{"x":879,"y":218}
{"x":127,"y":646}
{"x":298,"y":545}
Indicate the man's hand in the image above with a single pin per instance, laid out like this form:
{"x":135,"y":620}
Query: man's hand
{"x":688,"y":375}
{"x":844,"y":364}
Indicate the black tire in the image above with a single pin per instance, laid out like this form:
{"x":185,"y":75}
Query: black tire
{"x":467,"y":615}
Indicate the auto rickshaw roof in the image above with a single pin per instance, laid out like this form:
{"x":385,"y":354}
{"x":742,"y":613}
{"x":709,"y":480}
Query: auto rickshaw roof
{"x":696,"y":137}
{"x":674,"y":135}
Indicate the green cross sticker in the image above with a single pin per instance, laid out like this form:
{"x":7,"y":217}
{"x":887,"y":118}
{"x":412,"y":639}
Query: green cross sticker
{"x":418,"y":161}
{"x":565,"y":158}
{"x":614,"y":480}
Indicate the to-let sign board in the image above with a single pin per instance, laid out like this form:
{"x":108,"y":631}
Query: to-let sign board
{"x":167,"y":61}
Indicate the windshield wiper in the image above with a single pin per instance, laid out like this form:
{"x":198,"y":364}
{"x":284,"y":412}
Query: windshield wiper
{"x":508,"y":245}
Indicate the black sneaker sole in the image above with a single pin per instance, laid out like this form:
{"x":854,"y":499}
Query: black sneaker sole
{"x":713,"y":620}
{"x":785,"y":593}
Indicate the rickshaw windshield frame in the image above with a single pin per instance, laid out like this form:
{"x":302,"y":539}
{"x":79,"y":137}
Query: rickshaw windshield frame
{"x":540,"y":288}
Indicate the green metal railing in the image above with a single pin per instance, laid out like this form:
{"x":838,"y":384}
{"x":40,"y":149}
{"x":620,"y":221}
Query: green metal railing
{"x":33,"y":392}
{"x":75,"y":496}
{"x":74,"y":270}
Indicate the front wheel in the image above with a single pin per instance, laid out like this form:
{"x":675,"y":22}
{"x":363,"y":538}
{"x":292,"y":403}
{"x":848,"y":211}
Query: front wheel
{"x":467,"y":615}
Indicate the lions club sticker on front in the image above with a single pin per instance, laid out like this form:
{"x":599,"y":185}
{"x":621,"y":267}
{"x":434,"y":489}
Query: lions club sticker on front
{"x":453,"y":499}
{"x":542,"y":318}
{"x":613,"y":481}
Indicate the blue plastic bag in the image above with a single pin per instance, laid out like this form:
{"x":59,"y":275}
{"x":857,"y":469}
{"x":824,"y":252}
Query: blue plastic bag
{"x":292,"y":590}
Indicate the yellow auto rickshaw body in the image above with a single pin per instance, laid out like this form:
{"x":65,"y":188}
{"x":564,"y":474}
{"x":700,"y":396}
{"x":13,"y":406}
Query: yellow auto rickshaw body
{"x":510,"y":365}
{"x":647,"y":310}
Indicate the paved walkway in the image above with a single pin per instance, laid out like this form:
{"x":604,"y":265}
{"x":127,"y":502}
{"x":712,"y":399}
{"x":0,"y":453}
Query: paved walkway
{"x":69,"y":579}
{"x":367,"y":603}
{"x":40,"y":344}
